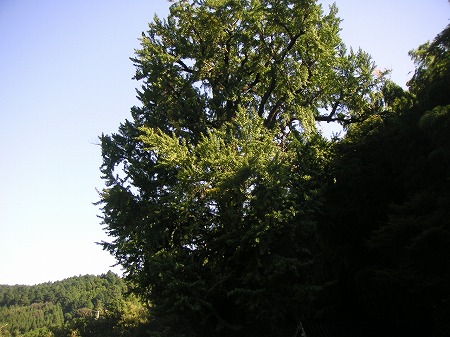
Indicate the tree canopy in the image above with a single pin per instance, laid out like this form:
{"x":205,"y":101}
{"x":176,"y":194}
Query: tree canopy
{"x":283,"y":59}
{"x":230,"y":212}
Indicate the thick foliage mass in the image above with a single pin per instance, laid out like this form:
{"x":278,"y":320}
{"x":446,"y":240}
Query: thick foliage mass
{"x":213,"y":186}
{"x":227,"y":243}
{"x":234,"y":217}
{"x":388,"y":232}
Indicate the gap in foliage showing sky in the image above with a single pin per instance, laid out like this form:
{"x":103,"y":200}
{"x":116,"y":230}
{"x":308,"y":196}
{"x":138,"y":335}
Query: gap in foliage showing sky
{"x":65,"y":77}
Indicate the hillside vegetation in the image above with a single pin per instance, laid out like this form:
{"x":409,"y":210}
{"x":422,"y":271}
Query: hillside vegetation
{"x":78,"y":306}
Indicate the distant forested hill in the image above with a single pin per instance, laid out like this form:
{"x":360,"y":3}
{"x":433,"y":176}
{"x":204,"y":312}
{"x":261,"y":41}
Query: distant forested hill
{"x":78,"y":306}
{"x":73,"y":293}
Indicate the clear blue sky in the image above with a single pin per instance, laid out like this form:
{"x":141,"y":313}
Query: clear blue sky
{"x":65,"y":77}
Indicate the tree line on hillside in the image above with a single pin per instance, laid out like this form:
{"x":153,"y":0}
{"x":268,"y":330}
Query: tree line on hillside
{"x":19,"y":320}
{"x":78,"y":306}
{"x":86,"y":291}
{"x":234,"y":216}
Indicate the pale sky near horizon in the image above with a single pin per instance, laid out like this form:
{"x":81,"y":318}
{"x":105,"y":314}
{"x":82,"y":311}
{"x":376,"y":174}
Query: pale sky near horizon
{"x":65,"y":77}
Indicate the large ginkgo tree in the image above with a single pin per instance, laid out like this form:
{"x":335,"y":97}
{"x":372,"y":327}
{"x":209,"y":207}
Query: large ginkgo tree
{"x":213,"y":185}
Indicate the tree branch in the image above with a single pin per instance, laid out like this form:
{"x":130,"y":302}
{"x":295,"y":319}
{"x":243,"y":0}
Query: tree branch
{"x":273,"y":82}
{"x":184,"y":67}
{"x":333,"y":112}
{"x":270,"y":121}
